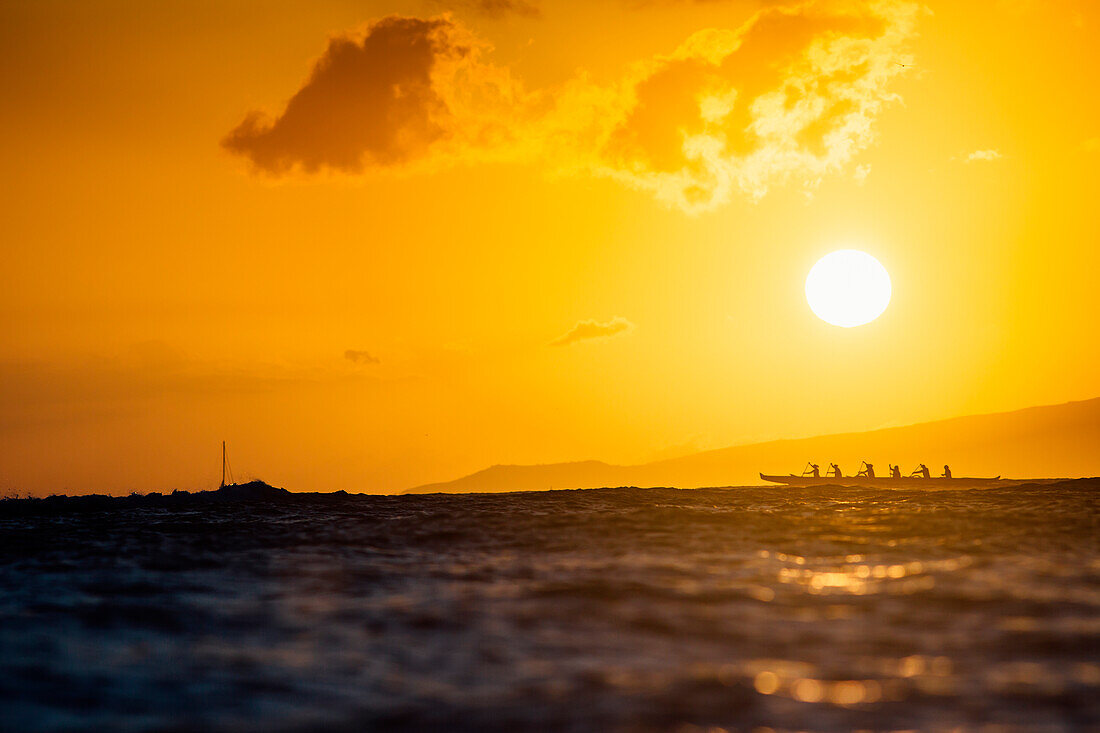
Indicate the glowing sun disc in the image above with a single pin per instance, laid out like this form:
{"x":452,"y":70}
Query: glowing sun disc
{"x":848,"y":288}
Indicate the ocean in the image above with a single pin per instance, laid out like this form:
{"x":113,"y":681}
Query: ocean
{"x":742,"y":609}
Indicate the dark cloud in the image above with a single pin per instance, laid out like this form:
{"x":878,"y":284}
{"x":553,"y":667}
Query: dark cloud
{"x":492,"y":8}
{"x":591,"y":329}
{"x":368,"y":101}
{"x":361,"y":357}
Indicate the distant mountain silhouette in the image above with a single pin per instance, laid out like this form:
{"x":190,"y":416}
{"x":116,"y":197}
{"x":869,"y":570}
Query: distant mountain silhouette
{"x":1049,"y":441}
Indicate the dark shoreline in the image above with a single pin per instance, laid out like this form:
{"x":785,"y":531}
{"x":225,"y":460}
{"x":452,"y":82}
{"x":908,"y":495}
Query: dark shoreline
{"x":260,"y":492}
{"x":254,"y":491}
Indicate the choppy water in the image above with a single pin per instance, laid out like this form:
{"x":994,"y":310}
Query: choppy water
{"x":605,"y":610}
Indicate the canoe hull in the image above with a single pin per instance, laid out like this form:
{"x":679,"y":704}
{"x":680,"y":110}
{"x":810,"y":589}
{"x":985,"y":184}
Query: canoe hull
{"x":884,"y":481}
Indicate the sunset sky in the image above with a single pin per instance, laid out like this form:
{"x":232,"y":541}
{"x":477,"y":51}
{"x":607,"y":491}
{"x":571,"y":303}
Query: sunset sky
{"x":378,"y":244}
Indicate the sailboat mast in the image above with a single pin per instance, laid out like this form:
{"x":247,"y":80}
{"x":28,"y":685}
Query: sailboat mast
{"x":223,"y":465}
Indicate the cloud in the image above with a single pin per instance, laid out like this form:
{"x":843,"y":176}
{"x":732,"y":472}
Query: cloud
{"x":98,"y":387}
{"x":125,"y":382}
{"x":387,"y":97}
{"x":591,"y":329}
{"x":361,"y":357}
{"x":983,"y":155}
{"x":493,"y":8}
{"x":790,"y":95}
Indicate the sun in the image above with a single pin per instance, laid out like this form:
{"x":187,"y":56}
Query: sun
{"x":848,"y":288}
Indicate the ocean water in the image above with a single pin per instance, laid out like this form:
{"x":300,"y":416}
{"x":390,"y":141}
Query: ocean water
{"x":823,"y":609}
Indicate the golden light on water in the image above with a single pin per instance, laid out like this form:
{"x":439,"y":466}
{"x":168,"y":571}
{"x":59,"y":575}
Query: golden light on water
{"x":808,"y":690}
{"x":766,"y":683}
{"x":811,"y":690}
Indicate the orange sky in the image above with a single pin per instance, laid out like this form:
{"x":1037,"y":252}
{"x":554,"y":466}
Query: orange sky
{"x":500,"y":231}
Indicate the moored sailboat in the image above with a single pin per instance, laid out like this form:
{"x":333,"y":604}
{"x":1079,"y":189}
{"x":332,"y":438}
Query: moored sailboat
{"x":227,"y":471}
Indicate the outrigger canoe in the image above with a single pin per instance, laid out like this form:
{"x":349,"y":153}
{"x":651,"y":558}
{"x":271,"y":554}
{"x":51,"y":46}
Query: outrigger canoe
{"x":904,"y":482}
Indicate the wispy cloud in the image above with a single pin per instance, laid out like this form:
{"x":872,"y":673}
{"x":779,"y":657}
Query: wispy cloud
{"x":361,"y":357}
{"x":790,"y":95}
{"x":984,"y":155}
{"x":89,"y":387}
{"x":492,"y":8}
{"x":591,"y":329}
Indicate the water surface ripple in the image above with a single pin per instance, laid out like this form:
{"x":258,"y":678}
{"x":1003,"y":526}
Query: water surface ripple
{"x":819,"y":609}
